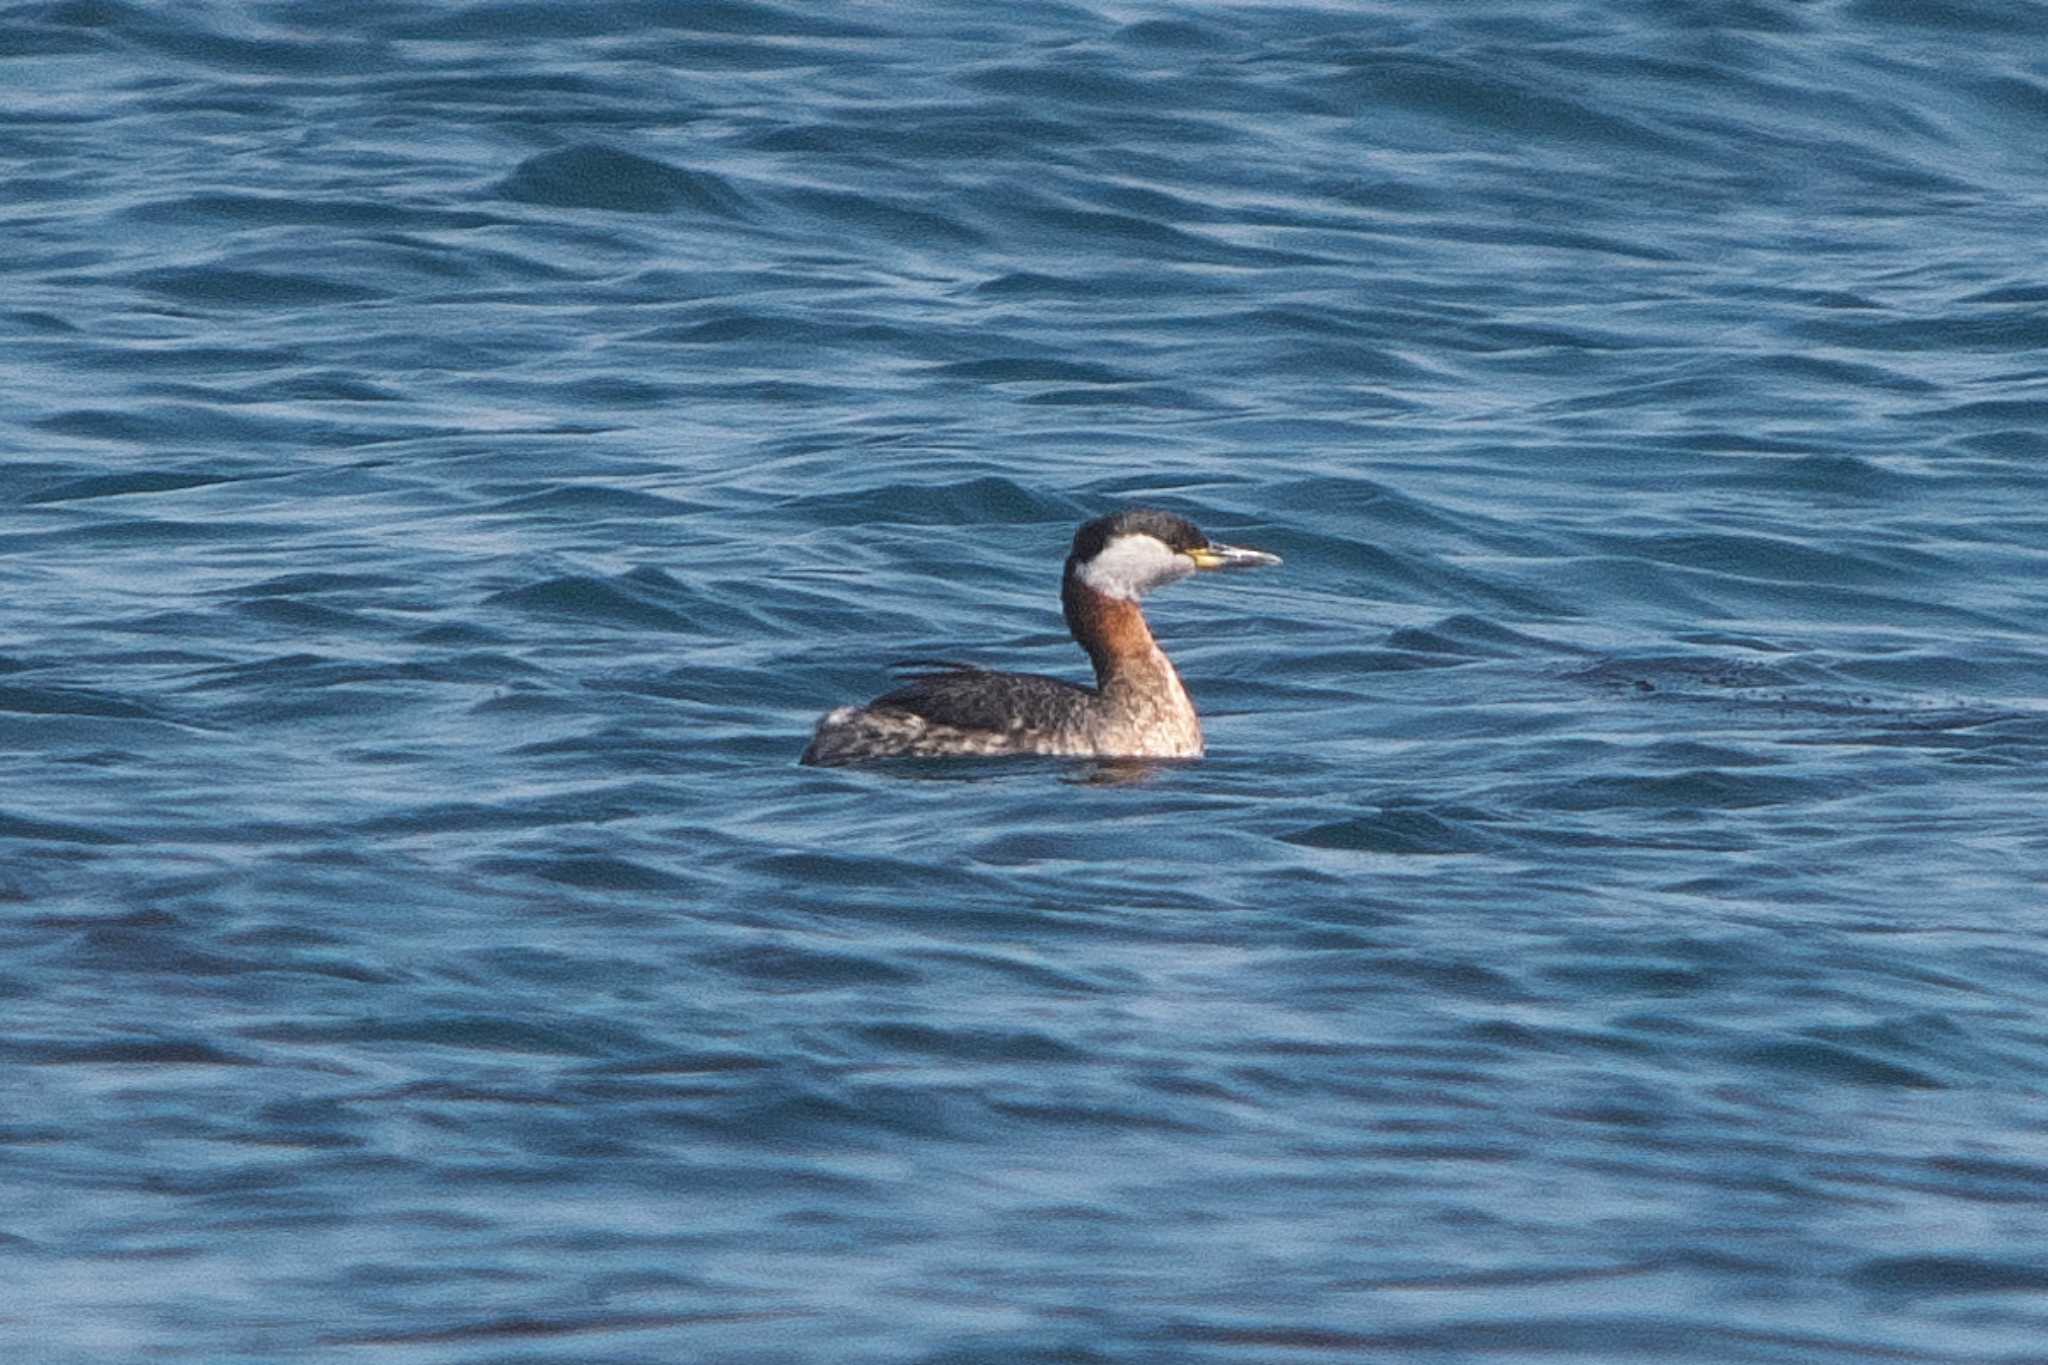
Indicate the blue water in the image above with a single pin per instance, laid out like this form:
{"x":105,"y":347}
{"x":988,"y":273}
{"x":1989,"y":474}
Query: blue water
{"x":451,"y":453}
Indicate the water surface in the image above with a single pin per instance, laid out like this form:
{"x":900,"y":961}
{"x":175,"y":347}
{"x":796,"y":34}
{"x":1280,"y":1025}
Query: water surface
{"x":454,"y":451}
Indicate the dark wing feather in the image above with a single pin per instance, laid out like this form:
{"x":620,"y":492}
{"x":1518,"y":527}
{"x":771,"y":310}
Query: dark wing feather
{"x":978,"y":699}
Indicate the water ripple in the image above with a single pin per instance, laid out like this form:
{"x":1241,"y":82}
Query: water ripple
{"x":456,"y":452}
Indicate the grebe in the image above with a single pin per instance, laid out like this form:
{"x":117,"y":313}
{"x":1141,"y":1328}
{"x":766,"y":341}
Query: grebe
{"x":1137,"y":708}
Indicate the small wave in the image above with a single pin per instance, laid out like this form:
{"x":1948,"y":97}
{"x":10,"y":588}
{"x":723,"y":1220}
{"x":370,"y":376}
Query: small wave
{"x":616,"y":602}
{"x":1032,"y":369}
{"x":1697,"y":790}
{"x":1815,"y":1060}
{"x":277,"y":210}
{"x":1405,"y":831}
{"x":123,"y":485}
{"x":902,"y":223}
{"x":226,"y":287}
{"x":790,"y":967}
{"x":982,"y":501}
{"x":498,"y":20}
{"x":590,"y":176}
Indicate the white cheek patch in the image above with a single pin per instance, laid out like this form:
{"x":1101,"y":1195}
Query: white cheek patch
{"x":1130,"y":566}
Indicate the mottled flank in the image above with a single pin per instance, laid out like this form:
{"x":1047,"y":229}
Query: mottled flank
{"x":977,"y":714}
{"x":854,"y":733}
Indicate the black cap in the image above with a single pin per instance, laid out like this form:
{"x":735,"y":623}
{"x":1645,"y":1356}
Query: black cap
{"x":1179,"y":534}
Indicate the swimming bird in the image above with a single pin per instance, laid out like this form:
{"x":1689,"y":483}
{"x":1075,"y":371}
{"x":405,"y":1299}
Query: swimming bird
{"x":1137,"y":708}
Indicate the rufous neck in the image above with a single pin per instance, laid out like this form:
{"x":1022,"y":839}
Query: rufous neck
{"x":1112,"y":630}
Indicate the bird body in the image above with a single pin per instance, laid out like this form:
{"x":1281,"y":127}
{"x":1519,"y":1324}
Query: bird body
{"x":1138,"y":707}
